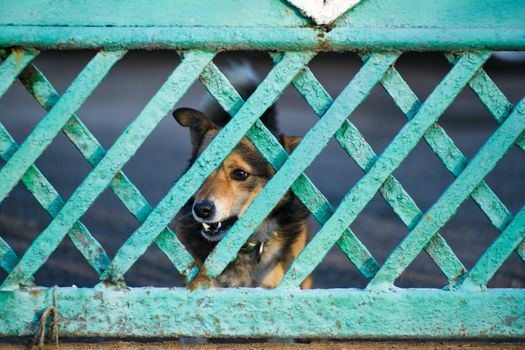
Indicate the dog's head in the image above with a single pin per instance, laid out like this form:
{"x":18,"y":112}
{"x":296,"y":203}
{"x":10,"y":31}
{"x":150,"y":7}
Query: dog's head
{"x":229,"y":190}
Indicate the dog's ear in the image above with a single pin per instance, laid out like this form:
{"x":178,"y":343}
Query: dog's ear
{"x":197,"y":122}
{"x":290,"y":142}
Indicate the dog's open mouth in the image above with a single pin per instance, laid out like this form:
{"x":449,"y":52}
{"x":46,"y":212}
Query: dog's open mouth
{"x":215,"y":231}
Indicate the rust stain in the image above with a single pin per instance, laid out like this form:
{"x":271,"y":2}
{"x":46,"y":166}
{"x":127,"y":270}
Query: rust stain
{"x":19,"y":56}
{"x":183,"y":278}
{"x":459,"y":276}
{"x":428,"y":217}
{"x":200,"y":281}
{"x":35,"y":291}
{"x":109,"y":282}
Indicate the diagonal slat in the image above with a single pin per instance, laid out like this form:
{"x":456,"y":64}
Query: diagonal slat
{"x":489,"y":94}
{"x":497,"y":253}
{"x":521,"y":251}
{"x":443,"y":146}
{"x":47,"y":195}
{"x":263,"y":97}
{"x":482,"y":163}
{"x":225,"y":94}
{"x":46,"y":130}
{"x":454,"y":161}
{"x":499,"y":107}
{"x":98,"y":179}
{"x":13,"y":65}
{"x":8,"y":257}
{"x":364,"y":190}
{"x":50,"y":200}
{"x":311,"y":145}
{"x":353,"y":142}
{"x":10,"y":68}
{"x":75,"y":130}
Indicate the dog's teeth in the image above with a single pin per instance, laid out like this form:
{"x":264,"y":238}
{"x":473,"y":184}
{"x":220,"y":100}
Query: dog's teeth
{"x":218,"y":225}
{"x":206,"y":226}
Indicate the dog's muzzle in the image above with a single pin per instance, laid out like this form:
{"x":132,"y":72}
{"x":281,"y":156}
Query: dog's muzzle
{"x":215,"y":231}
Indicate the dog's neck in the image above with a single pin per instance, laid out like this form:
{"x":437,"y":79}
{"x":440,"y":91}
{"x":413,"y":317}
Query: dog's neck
{"x":286,"y":212}
{"x":265,"y":231}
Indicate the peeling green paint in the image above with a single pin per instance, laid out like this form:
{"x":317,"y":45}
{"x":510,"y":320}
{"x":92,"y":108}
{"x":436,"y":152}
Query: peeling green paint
{"x":311,"y":145}
{"x":162,"y":312}
{"x":446,"y":206}
{"x":396,"y":151}
{"x":497,"y":253}
{"x":271,"y":149}
{"x":116,"y":157}
{"x":263,"y":97}
{"x":92,"y":150}
{"x":262,"y":24}
{"x":200,"y":30}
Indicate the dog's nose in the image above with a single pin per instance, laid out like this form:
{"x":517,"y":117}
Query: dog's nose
{"x":204,"y":209}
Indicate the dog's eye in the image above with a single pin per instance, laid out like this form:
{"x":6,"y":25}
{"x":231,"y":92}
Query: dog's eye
{"x":239,"y":175}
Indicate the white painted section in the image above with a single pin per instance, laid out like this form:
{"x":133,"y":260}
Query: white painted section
{"x":324,"y":11}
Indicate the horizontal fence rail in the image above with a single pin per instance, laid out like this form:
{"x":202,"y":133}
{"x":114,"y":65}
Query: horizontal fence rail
{"x":161,"y":312}
{"x":263,"y":25}
{"x":380,"y":32}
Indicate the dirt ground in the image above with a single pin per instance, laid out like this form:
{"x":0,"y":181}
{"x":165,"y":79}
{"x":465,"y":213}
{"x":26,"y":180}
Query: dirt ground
{"x":162,"y":158}
{"x":343,"y":345}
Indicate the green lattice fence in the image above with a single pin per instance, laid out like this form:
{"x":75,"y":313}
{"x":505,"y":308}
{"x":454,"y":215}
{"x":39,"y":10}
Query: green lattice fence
{"x":380,"y":31}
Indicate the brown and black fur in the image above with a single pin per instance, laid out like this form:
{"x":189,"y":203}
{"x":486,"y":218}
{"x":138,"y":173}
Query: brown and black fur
{"x":283,"y":233}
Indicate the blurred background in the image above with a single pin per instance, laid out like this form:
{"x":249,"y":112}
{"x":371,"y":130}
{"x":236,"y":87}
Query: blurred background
{"x":163,"y":158}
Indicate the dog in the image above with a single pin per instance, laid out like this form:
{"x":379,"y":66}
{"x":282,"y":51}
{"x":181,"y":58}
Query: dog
{"x":225,"y":196}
